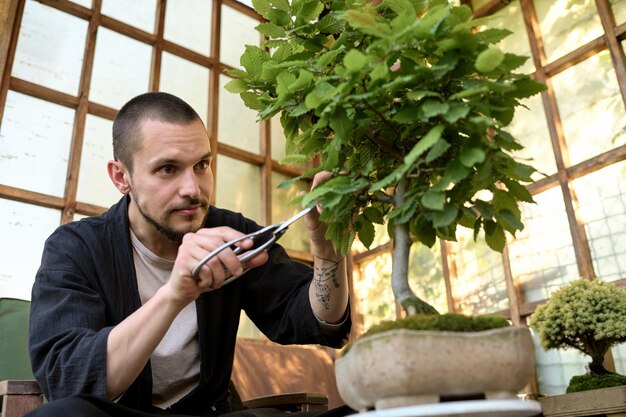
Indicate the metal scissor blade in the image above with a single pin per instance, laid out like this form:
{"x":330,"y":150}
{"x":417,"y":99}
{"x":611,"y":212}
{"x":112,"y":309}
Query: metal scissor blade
{"x":284,"y":225}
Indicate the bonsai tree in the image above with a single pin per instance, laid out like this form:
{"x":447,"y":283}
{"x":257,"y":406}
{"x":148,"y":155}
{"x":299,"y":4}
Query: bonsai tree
{"x":587,"y":316}
{"x":406,"y":103}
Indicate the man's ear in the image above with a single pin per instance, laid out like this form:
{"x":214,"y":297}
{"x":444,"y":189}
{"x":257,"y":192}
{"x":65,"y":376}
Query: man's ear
{"x":119,"y":175}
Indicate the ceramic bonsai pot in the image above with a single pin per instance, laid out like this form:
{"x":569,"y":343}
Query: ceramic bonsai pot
{"x":404,"y":367}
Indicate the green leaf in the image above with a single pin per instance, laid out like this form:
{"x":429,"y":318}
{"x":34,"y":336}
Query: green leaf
{"x":445,"y":217}
{"x":283,"y":81}
{"x":502,"y":200}
{"x":280,"y":17}
{"x":251,"y":100}
{"x":400,"y":7}
{"x":471,"y":156}
{"x":509,"y":221}
{"x":406,"y":115}
{"x":489,"y":59}
{"x":330,"y":24}
{"x":431,"y":21}
{"x":322,"y":92}
{"x":527,"y":87}
{"x":420,"y":94}
{"x":368,"y":22}
{"x":354,"y":60}
{"x":494,"y":236}
{"x":455,"y":172}
{"x":304,"y":78}
{"x":374,"y":215}
{"x":236,"y":86}
{"x":493,"y":35}
{"x":271,"y":30}
{"x":262,"y":7}
{"x":366,"y":232}
{"x":424,"y":144}
{"x":485,"y":209}
{"x":280,"y":4}
{"x":252,"y":60}
{"x":432,"y":108}
{"x":437,"y":150}
{"x":467,"y":218}
{"x":424,"y":232}
{"x":328,"y":57}
{"x":456,"y":112}
{"x":433,"y":200}
{"x":341,"y":124}
{"x":295,"y":158}
{"x":518,"y":191}
{"x":307,"y":11}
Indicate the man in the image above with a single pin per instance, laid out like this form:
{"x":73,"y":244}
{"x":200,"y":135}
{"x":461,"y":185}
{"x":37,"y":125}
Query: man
{"x":119,"y":325}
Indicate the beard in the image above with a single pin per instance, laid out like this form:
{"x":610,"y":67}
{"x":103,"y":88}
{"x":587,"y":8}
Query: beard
{"x":168,"y":232}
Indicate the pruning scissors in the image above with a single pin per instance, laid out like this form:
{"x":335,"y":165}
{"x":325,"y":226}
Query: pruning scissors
{"x":265,"y":237}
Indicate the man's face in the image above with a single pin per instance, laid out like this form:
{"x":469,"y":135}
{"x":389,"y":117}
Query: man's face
{"x":171,"y":182}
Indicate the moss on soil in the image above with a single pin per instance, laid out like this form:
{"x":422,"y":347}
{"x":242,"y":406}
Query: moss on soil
{"x":595,"y":381}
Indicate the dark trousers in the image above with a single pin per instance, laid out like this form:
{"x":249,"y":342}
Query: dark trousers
{"x":90,"y":406}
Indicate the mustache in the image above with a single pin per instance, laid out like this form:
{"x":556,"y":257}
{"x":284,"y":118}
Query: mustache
{"x":189,"y":202}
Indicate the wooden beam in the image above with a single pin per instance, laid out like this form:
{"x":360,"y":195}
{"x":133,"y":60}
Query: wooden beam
{"x":490,"y":8}
{"x":574,"y":57}
{"x":31,"y":197}
{"x":9,"y":31}
{"x":557,"y":138}
{"x":615,"y":48}
{"x":214,"y":88}
{"x":78,"y":131}
{"x":238,"y":153}
{"x":157,"y":50}
{"x":69,"y":7}
{"x":43,"y":93}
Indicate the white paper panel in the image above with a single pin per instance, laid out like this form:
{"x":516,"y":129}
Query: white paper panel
{"x":94,"y":184}
{"x":188,"y":81}
{"x":121,"y":69}
{"x":25,"y":228}
{"x":237,"y":125}
{"x":188,"y":24}
{"x":138,"y":13}
{"x":34,"y":144}
{"x":50,"y":48}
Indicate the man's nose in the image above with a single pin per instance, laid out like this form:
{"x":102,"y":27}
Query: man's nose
{"x":189,"y":186}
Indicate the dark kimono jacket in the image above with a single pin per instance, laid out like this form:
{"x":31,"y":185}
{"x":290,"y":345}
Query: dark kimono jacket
{"x":86,"y":285}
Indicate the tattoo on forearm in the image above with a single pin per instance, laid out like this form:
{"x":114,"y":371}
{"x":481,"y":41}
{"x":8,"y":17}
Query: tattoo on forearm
{"x":322,"y":280}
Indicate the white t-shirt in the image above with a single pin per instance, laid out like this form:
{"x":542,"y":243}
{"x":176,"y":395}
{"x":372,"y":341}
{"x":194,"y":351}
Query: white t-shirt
{"x":176,"y":360}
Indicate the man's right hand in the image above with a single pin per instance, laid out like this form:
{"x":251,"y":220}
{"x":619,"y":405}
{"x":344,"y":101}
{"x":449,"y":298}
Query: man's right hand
{"x":195,"y":246}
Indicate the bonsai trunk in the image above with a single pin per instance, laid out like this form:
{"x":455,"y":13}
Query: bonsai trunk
{"x":400,"y":264}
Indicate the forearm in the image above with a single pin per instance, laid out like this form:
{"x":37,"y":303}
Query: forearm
{"x":132,"y":341}
{"x":328,"y":292}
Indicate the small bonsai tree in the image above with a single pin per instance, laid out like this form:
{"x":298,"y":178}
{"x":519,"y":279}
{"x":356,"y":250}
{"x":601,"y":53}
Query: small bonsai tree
{"x":588,"y":316}
{"x":406,"y":103}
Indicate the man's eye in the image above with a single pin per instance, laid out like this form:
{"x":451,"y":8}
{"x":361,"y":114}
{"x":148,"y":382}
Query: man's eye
{"x":202,"y":165}
{"x":167,"y":169}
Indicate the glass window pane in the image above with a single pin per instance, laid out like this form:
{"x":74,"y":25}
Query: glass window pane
{"x":542,"y":256}
{"x":278,"y":139}
{"x":530,"y":128}
{"x":237,"y":31}
{"x":592,"y":121}
{"x":297,"y":237}
{"x":20,"y":256}
{"x":426,"y":275}
{"x":188,"y":81}
{"x":94,"y":184}
{"x":619,"y":11}
{"x":567,"y":25}
{"x":373,"y":292}
{"x":555,"y":367}
{"x":121,"y":69}
{"x":239,"y":187}
{"x":237,"y":124}
{"x":35,"y":138}
{"x":189,"y":24}
{"x":138,"y":13}
{"x":510,"y":17}
{"x":479,"y":286}
{"x":50,"y":48}
{"x":619,"y":357}
{"x":602,"y":209}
